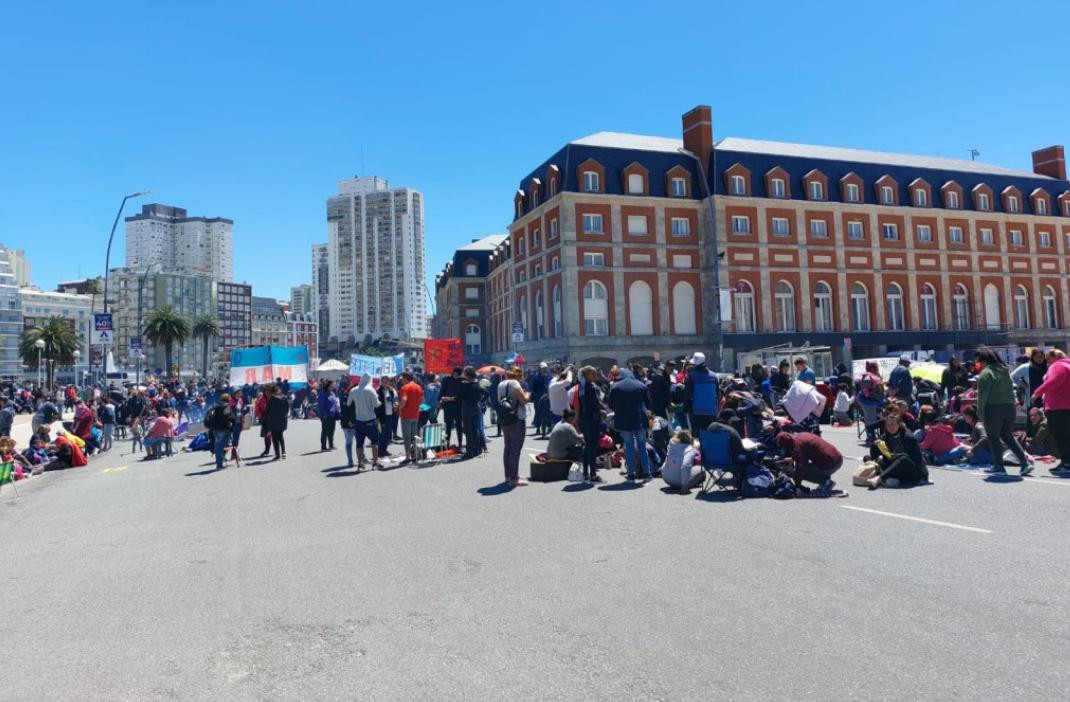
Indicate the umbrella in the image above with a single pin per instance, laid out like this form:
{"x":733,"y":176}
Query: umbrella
{"x":932,"y":372}
{"x":487,"y":370}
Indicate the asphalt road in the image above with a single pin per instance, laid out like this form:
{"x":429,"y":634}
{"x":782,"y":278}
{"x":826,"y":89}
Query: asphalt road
{"x":300,"y":580}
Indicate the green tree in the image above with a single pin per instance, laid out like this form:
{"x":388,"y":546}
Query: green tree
{"x":61,"y":341}
{"x":166,"y":327}
{"x":205,"y":328}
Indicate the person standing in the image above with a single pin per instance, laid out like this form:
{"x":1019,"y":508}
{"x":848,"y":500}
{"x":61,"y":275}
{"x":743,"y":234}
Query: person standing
{"x":589,"y":401}
{"x":512,"y":403}
{"x":106,"y":415}
{"x":661,"y":391}
{"x":432,"y":392}
{"x":451,"y":405}
{"x":260,"y":413}
{"x":558,"y":394}
{"x":364,"y":401}
{"x":240,"y":409}
{"x":220,"y":421}
{"x":276,"y":413}
{"x":537,"y":386}
{"x":995,"y":404}
{"x":1055,"y":391}
{"x":954,"y":376}
{"x":700,"y":394}
{"x":900,"y":383}
{"x":327,"y":409}
{"x":412,"y":396}
{"x":387,"y":413}
{"x":628,"y":399}
{"x":470,"y":396}
{"x":7,"y":417}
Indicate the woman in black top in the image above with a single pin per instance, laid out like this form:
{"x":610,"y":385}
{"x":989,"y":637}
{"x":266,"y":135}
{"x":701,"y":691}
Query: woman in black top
{"x":276,"y":414}
{"x":590,"y":401}
{"x":470,"y":395}
{"x":898,"y":454}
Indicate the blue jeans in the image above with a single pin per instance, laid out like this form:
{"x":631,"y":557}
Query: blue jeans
{"x":220,"y":438}
{"x":951,"y":456}
{"x":350,"y":434}
{"x":635,"y":441}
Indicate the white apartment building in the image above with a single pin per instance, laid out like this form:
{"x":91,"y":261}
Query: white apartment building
{"x":10,"y":319}
{"x":166,"y":236}
{"x":375,"y":257}
{"x":38,"y":305}
{"x":321,"y":290}
{"x":301,"y":299}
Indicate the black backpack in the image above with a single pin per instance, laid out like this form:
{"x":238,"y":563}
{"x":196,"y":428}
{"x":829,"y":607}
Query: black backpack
{"x":217,"y":419}
{"x":508,"y":408}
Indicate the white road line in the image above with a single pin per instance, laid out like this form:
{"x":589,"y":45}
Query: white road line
{"x":918,"y":519}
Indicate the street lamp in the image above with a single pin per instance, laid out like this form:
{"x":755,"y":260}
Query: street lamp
{"x":40,"y":345}
{"x":107,"y":263}
{"x":717,"y":332}
{"x":77,"y":354}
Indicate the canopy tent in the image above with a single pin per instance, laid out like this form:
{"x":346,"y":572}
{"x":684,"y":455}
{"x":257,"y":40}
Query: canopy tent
{"x":331,"y":366}
{"x":932,"y":372}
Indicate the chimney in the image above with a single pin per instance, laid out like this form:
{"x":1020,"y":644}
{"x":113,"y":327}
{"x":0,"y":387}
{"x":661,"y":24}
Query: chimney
{"x":1050,"y":162}
{"x":698,"y":132}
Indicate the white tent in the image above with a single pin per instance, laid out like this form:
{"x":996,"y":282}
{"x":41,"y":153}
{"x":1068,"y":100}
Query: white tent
{"x":332,"y":366}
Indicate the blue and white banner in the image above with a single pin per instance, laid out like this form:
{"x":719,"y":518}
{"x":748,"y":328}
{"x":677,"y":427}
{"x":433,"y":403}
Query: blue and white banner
{"x":264,"y":364}
{"x":376,"y":366}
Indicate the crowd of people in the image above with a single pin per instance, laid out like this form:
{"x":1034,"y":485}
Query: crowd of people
{"x":672,"y":420}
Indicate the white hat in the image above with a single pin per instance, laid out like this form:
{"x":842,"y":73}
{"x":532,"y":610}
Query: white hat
{"x":698,"y":359}
{"x":905,"y":358}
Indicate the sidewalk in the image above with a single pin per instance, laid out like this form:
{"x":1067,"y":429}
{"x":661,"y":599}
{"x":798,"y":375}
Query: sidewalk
{"x":22,"y":428}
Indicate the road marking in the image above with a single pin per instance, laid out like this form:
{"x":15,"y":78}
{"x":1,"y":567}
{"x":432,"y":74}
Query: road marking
{"x":113,"y":470}
{"x":919,"y":519}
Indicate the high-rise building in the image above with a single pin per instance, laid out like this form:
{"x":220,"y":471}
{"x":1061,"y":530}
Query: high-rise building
{"x":234,"y":301}
{"x":166,"y":236}
{"x":321,"y":290}
{"x":20,"y":267}
{"x":10,"y":320}
{"x":301,"y":299}
{"x":375,"y":240}
{"x":269,"y":322}
{"x":75,"y":309}
{"x":302,"y":330}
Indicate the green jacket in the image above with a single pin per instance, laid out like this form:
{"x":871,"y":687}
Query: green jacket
{"x":994,"y":387}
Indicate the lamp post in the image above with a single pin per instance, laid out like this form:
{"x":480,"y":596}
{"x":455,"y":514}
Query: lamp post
{"x":107,"y":264}
{"x":717,"y":331}
{"x":77,"y":354}
{"x":40,"y":346}
{"x":140,"y":287}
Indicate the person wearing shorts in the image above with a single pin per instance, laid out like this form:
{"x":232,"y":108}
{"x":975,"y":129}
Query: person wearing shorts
{"x":412,"y":396}
{"x":362,"y":402}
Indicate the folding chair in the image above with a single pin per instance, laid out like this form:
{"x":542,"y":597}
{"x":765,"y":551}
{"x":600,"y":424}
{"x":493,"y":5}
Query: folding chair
{"x":432,"y":437}
{"x":717,"y":460}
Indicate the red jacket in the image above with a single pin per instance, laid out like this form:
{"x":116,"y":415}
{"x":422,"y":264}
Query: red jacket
{"x":940,"y":439}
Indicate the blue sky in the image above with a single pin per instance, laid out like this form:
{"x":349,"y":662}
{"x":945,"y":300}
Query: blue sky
{"x":253,"y":110}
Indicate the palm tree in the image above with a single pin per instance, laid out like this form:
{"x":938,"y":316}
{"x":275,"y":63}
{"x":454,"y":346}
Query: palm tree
{"x":167,"y":327}
{"x":61,"y":341}
{"x":204,"y":328}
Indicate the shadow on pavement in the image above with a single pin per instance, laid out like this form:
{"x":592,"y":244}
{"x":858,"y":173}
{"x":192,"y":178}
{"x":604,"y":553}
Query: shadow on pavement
{"x":499,"y":489}
{"x":620,"y":487}
{"x":203,"y":472}
{"x":344,"y":472}
{"x":1008,"y":478}
{"x":577,"y":487}
{"x":719,"y":496}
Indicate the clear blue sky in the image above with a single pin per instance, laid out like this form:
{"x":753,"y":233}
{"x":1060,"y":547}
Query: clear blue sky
{"x":253,"y":110}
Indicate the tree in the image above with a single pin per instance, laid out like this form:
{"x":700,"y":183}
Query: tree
{"x":166,"y":327}
{"x":61,"y":341}
{"x":204,"y":328}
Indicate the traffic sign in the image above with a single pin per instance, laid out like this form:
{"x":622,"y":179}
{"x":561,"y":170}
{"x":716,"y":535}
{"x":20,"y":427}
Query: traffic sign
{"x":518,"y":332}
{"x":136,"y":350}
{"x":103,"y":331}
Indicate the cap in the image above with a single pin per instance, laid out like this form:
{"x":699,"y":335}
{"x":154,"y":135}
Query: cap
{"x":905,"y":359}
{"x":698,"y":359}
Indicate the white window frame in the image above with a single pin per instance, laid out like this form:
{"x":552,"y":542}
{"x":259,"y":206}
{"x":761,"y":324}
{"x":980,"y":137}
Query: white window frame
{"x":819,"y":228}
{"x":685,"y":228}
{"x":592,"y":182}
{"x":740,"y":224}
{"x":778,"y":188}
{"x":1044,"y":239}
{"x":634,"y":178}
{"x":1051,"y":308}
{"x":536,"y":237}
{"x":952,"y":199}
{"x":930,"y":311}
{"x":987,"y":236}
{"x":739,"y":185}
{"x":1021,"y":308}
{"x":1042,"y":206}
{"x":553,"y":229}
{"x":471,"y":293}
{"x":921,"y":197}
{"x":852,"y":193}
{"x":633,"y":219}
{"x":887,"y":195}
{"x":928,"y":238}
{"x":589,"y":220}
{"x":599,"y":325}
{"x":555,"y":263}
{"x":787,"y":226}
{"x":984,"y":203}
{"x":471,"y":269}
{"x":860,"y":320}
{"x":594,"y":259}
{"x":817,"y":190}
{"x":1017,"y":238}
{"x":1013,"y":206}
{"x":784,"y":307}
{"x":960,"y":307}
{"x":890,"y":227}
{"x":896,"y":312}
{"x":955,"y":239}
{"x":744,"y":310}
{"x":854,"y":224}
{"x":824,"y":318}
{"x":678,"y":187}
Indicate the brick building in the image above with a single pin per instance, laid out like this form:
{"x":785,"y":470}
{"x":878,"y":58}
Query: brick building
{"x":613,"y":257}
{"x":462,"y":298}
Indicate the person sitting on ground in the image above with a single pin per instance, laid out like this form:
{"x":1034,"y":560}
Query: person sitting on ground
{"x":979,"y":451}
{"x":566,"y":443}
{"x":841,"y":410}
{"x":813,"y":458}
{"x":941,"y":442}
{"x":1043,"y":442}
{"x":898,"y":456}
{"x":682,"y":469}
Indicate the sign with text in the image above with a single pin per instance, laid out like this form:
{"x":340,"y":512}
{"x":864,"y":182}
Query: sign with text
{"x":441,"y":355}
{"x":103,"y":332}
{"x":518,"y":332}
{"x":376,"y":366}
{"x":136,"y":349}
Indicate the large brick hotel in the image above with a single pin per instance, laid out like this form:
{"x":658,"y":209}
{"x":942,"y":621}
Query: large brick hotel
{"x":610,"y":254}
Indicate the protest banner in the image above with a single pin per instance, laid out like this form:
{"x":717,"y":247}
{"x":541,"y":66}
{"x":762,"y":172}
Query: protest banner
{"x":441,"y":355}
{"x":265,"y":364}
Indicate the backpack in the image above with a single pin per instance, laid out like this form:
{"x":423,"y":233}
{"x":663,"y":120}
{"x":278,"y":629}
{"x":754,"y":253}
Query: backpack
{"x":758,"y":481}
{"x":217,"y":419}
{"x":783,"y":487}
{"x":507,"y":407}
{"x":106,"y":415}
{"x":677,"y":394}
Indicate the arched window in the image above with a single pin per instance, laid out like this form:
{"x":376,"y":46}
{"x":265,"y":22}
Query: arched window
{"x":993,"y":316}
{"x":540,"y":316}
{"x":555,"y":300}
{"x":524,"y":313}
{"x":1021,"y":307}
{"x":929,"y":318}
{"x":744,"y":307}
{"x":785,"y":307}
{"x":823,"y":307}
{"x":895,"y":308}
{"x":683,"y":308}
{"x":595,"y":309}
{"x":1051,"y":309}
{"x":640,"y":309}
{"x":859,"y":307}
{"x":960,"y":300}
{"x":472,"y":340}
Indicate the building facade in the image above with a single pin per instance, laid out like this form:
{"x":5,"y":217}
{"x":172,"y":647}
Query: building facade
{"x":268,"y":322}
{"x":167,"y":237}
{"x":10,"y":320}
{"x":615,"y":256}
{"x":375,"y":258}
{"x":19,"y":265}
{"x":462,"y":300}
{"x":303,"y":330}
{"x":234,"y":312}
{"x":321,"y":290}
{"x":301,"y":299}
{"x":38,"y":306}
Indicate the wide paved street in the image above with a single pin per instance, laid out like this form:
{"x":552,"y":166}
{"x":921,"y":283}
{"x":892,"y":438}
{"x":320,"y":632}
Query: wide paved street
{"x":300,"y":580}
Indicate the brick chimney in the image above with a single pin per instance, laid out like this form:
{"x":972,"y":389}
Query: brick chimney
{"x":1050,"y":162}
{"x":698,"y":132}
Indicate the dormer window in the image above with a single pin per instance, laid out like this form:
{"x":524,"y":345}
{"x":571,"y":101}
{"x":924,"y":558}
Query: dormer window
{"x":635,"y":184}
{"x":1066,"y":209}
{"x":679,"y":187}
{"x":952,"y":200}
{"x":553,"y":187}
{"x":535,"y":197}
{"x":887,"y":195}
{"x":851,"y":193}
{"x":817,"y":190}
{"x":471,"y":269}
{"x":1012,"y":203}
{"x":590,"y":182}
{"x":739,"y":185}
{"x":1041,"y":206}
{"x":921,"y":198}
{"x":779,"y":187}
{"x":983,"y":202}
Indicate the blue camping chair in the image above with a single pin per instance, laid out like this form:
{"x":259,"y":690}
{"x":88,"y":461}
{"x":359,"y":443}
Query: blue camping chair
{"x":718,"y":460}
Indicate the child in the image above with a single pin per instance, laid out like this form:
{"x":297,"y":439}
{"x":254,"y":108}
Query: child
{"x":135,"y":437}
{"x":842,"y":407}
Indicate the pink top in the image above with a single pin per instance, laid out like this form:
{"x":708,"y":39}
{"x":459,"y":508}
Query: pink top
{"x":940,"y":439}
{"x":1056,"y":386}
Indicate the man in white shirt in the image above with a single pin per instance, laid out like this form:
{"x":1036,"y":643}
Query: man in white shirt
{"x":558,"y":393}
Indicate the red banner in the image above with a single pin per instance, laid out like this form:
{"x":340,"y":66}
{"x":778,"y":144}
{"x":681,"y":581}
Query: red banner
{"x":441,"y":355}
